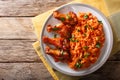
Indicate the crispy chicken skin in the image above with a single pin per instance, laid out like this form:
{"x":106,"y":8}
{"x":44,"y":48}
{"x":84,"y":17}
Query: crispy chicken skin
{"x":57,"y":54}
{"x":70,"y":18}
{"x":62,"y":29}
{"x":57,"y":42}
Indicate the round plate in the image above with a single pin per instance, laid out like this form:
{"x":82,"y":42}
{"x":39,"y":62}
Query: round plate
{"x":105,"y":51}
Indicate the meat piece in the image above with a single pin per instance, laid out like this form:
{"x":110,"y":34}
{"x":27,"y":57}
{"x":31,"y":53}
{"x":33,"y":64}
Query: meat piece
{"x":54,"y":41}
{"x":57,"y":54}
{"x":69,"y":18}
{"x":57,"y":42}
{"x":62,"y":29}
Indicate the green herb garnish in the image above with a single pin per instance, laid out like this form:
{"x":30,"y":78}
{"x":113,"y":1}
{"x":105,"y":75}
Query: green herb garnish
{"x":76,"y":40}
{"x":73,"y":40}
{"x":86,"y":55}
{"x":73,"y":36}
{"x":85,"y":16}
{"x":85,"y":34}
{"x":100,"y":22}
{"x":85,"y":47}
{"x":62,"y":19}
{"x":62,"y":52}
{"x":97,"y":45}
{"x":61,"y":58}
{"x":92,"y":28}
{"x":55,"y":29}
{"x":68,"y":16}
{"x":86,"y":26}
{"x":78,"y":65}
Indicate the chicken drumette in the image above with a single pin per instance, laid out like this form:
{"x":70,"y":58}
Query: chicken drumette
{"x":60,"y":43}
{"x":57,"y":54}
{"x":61,"y":51}
{"x":70,"y":18}
{"x":62,"y":29}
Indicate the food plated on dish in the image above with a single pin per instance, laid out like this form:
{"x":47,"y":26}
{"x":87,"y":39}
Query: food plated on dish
{"x":76,"y":39}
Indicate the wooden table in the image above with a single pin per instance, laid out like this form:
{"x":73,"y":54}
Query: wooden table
{"x":18,"y":60}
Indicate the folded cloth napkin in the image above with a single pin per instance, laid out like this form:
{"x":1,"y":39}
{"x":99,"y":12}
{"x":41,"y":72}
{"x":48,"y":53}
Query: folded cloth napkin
{"x":104,"y":6}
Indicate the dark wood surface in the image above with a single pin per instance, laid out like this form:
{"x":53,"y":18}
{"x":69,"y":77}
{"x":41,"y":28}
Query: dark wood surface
{"x":18,"y":60}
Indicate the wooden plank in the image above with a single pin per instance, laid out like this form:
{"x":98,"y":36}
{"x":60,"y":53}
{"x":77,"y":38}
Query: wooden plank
{"x":16,"y":38}
{"x":115,"y":57}
{"x":28,"y":7}
{"x":16,"y":28}
{"x":109,"y":71}
{"x":24,"y":71}
{"x":17,"y":51}
{"x":37,"y":71}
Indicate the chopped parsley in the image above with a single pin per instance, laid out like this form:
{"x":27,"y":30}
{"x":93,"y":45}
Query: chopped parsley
{"x":68,"y":16}
{"x":86,"y":55}
{"x":62,"y":52}
{"x":73,"y":40}
{"x":92,"y":28}
{"x":97,"y":45}
{"x":85,"y":16}
{"x":86,"y":26}
{"x":85,"y":34}
{"x":78,"y":65}
{"x":73,"y":36}
{"x":61,"y":58}
{"x":62,"y":19}
{"x":55,"y":29}
{"x":76,"y":40}
{"x":100,"y":22}
{"x":85,"y":47}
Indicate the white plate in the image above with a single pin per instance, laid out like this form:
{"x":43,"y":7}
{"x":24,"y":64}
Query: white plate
{"x":105,"y":52}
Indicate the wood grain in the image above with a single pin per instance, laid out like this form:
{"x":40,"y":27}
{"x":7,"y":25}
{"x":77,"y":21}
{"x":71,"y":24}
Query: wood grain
{"x":24,"y":71}
{"x":37,"y":71}
{"x":16,"y":28}
{"x":115,"y":57}
{"x":28,"y":7}
{"x":17,"y":51}
{"x":109,"y":71}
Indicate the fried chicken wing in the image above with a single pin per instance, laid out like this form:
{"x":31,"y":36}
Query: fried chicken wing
{"x":62,"y":29}
{"x":69,"y":18}
{"x":59,"y":55}
{"x":57,"y":42}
